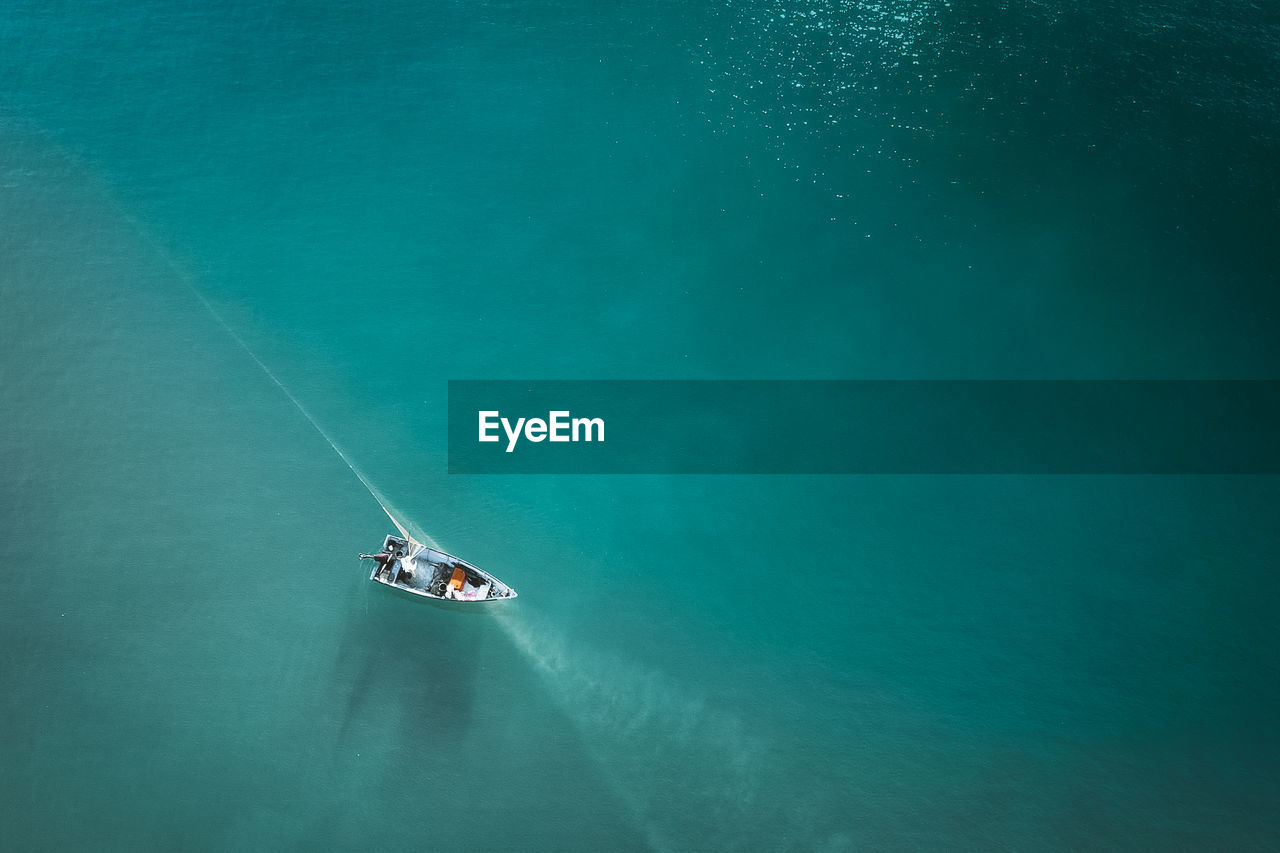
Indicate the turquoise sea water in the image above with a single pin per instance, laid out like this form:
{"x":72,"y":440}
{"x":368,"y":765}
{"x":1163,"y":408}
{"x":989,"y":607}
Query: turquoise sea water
{"x":379,"y":198}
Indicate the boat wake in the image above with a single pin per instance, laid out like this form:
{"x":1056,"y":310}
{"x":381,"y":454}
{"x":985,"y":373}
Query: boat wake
{"x":407,"y":529}
{"x":391,"y":512}
{"x":684,"y":769}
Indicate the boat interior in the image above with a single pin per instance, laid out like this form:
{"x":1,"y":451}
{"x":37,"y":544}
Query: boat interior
{"x":433,"y":573}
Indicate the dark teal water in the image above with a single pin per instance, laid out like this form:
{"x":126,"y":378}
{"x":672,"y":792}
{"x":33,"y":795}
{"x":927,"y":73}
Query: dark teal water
{"x":379,"y":198}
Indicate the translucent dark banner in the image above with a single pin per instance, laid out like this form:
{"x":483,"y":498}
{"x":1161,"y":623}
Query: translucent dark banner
{"x":864,"y":427}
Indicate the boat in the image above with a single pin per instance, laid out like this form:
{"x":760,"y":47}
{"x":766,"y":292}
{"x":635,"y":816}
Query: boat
{"x":408,"y":565}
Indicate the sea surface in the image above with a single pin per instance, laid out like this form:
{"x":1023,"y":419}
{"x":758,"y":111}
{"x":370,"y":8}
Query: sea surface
{"x":371,"y":199}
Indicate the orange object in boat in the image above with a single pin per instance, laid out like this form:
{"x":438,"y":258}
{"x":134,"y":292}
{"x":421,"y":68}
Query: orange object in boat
{"x":459,"y":575}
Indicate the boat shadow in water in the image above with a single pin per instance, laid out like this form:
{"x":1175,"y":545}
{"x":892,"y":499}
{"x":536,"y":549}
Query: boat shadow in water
{"x":405,"y":664}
